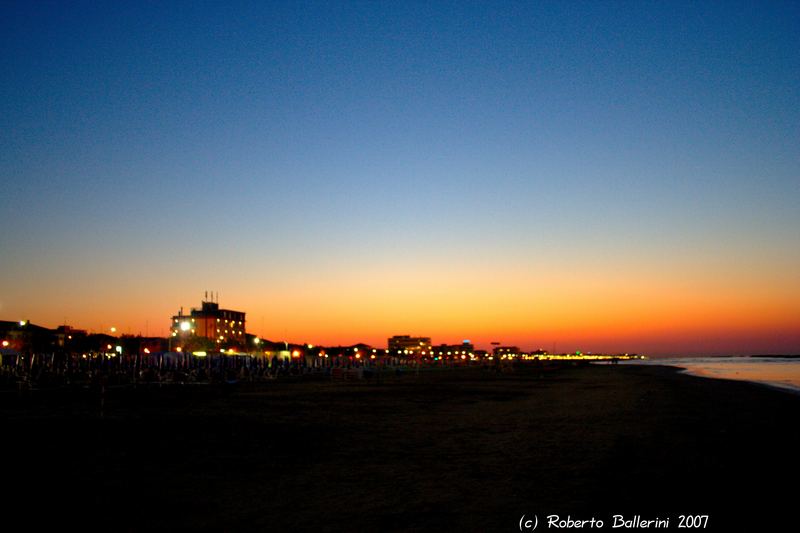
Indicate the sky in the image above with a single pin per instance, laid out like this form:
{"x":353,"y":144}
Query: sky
{"x":595,"y":176}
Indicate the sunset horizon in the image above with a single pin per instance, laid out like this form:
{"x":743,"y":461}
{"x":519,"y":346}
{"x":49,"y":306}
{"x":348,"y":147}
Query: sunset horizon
{"x":593,"y":176}
{"x":432,"y":266}
{"x":670,"y":336}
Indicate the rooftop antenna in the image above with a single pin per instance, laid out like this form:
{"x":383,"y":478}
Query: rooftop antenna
{"x":205,"y":298}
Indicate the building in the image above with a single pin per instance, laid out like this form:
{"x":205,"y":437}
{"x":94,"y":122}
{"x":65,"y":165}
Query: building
{"x":407,"y":345}
{"x":68,"y":337}
{"x":221,"y":327}
{"x":501,"y":351}
{"x":24,"y":336}
{"x":466,"y":348}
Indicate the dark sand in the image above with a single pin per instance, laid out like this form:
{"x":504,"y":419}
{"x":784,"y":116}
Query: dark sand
{"x":465,"y":450}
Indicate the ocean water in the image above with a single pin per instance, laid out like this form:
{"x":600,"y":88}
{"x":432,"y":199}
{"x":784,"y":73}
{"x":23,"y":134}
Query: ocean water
{"x":783,"y":373}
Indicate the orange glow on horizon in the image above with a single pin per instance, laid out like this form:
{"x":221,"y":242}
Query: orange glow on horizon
{"x":590,"y":306}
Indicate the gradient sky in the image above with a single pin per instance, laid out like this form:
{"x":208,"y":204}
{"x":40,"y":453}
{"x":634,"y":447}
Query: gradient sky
{"x":619,"y":176}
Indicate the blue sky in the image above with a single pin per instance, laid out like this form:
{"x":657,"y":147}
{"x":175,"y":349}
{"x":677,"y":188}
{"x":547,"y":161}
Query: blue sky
{"x":136,"y":136}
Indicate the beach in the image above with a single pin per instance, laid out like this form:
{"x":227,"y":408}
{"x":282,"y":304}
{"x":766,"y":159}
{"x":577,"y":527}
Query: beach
{"x":448,"y":450}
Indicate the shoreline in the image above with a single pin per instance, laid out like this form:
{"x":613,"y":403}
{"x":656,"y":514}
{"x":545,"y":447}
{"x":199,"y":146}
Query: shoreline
{"x":466,"y":451}
{"x":730,"y":369}
{"x":788,"y":389}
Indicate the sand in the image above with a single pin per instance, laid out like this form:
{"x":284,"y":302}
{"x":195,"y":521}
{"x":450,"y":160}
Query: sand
{"x":465,"y":450}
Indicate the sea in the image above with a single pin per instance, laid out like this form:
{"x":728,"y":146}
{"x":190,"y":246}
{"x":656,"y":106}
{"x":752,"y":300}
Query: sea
{"x":778,"y":372}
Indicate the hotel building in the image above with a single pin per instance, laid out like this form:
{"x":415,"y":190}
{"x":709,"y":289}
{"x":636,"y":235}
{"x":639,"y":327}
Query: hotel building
{"x":407,"y":345}
{"x":221,"y":326}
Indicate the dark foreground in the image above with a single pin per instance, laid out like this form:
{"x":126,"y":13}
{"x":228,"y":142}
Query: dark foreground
{"x":466,"y":450}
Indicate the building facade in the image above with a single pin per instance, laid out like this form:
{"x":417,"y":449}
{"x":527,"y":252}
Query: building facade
{"x":222,"y":327}
{"x":466,"y":348}
{"x":408,"y":345}
{"x":500,"y":351}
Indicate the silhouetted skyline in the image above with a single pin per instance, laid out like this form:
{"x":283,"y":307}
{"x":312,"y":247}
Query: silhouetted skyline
{"x":621,"y":176}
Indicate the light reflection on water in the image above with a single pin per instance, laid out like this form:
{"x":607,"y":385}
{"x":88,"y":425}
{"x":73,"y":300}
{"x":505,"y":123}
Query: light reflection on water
{"x":777,"y":372}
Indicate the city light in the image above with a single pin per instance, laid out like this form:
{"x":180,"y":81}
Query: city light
{"x":23,"y":322}
{"x":185,"y":326}
{"x":5,"y":344}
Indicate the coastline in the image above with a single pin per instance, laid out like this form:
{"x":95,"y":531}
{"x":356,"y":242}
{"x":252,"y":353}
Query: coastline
{"x":463,"y":450}
{"x":788,"y":389}
{"x":779,"y":373}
